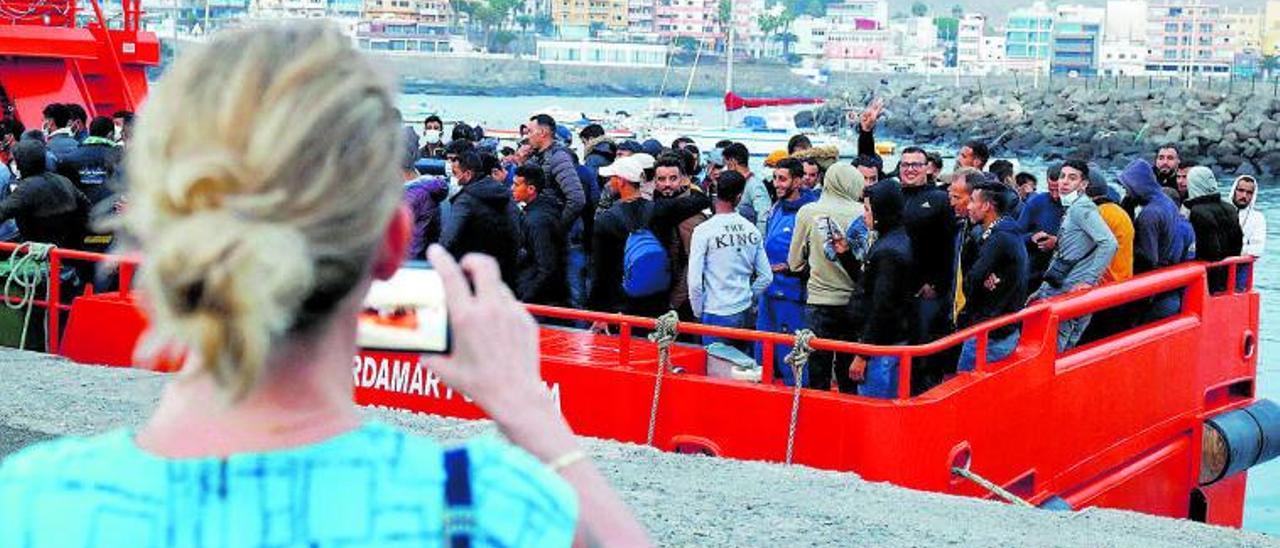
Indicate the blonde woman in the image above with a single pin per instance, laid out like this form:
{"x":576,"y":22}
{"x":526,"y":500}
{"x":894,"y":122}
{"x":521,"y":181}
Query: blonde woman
{"x":263,"y":196}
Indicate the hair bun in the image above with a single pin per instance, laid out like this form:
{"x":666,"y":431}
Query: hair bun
{"x":227,"y":287}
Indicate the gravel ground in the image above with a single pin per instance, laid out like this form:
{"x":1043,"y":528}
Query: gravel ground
{"x":684,"y":500}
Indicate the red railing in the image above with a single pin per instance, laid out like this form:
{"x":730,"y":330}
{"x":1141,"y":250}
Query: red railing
{"x":1037,"y":319}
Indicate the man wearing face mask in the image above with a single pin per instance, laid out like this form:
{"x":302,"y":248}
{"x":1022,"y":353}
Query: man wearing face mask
{"x":1085,"y":248}
{"x":432,"y":137}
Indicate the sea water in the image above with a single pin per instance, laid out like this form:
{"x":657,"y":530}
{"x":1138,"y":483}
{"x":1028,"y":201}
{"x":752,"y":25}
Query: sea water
{"x":1262,"y":503}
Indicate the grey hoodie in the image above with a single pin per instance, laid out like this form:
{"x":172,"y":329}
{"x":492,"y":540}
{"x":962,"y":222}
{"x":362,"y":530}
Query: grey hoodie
{"x":839,"y":205}
{"x":1085,"y":248}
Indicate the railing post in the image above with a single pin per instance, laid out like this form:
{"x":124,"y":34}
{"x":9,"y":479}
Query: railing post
{"x":980,"y":360}
{"x":54,"y":298}
{"x":766,"y":365}
{"x":904,"y":376}
{"x":126,"y":278}
{"x":624,"y":343}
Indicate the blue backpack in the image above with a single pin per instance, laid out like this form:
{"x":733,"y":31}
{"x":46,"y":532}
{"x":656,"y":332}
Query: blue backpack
{"x":646,"y":270}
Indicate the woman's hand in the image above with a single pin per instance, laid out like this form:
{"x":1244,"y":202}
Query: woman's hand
{"x":495,"y":357}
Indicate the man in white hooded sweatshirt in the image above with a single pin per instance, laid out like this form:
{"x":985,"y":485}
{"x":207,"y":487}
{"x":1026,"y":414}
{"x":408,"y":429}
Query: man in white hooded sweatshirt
{"x":1244,"y":194}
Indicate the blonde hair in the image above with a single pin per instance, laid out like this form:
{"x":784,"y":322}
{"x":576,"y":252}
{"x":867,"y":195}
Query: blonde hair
{"x":262,"y":174}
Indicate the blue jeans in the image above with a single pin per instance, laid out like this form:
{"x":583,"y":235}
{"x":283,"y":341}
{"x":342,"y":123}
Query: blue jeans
{"x":928,"y":314}
{"x":1242,"y":276}
{"x":998,"y":348}
{"x":738,"y":321}
{"x":576,"y":275}
{"x":777,"y":315}
{"x":1069,"y":331}
{"x":1164,"y":305}
{"x":881,"y":380}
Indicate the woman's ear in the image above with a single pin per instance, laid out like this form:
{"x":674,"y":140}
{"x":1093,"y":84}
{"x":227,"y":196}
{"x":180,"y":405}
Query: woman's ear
{"x":395,"y":244}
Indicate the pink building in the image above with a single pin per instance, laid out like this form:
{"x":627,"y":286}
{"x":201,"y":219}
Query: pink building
{"x":695,"y":19}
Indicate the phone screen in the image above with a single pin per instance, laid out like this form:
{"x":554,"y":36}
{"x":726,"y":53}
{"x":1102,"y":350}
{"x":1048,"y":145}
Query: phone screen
{"x":406,"y":313}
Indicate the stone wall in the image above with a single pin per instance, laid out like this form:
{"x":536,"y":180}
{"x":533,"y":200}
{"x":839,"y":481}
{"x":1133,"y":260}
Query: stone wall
{"x":1234,"y":131}
{"x":504,"y":76}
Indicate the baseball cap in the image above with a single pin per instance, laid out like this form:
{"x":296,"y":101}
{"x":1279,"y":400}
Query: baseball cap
{"x":628,"y":168}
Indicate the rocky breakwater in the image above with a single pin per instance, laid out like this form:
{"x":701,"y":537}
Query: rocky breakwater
{"x":1231,"y":133}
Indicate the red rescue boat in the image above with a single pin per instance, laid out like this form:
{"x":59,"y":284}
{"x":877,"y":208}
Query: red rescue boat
{"x":1160,"y":419}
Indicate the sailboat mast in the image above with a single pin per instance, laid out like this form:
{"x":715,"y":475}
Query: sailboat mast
{"x":728,"y":78}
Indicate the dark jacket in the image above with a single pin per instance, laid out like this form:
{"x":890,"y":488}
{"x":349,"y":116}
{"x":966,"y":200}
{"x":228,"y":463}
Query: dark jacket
{"x":886,"y":279}
{"x":92,"y":168}
{"x":61,"y":145}
{"x":1216,"y":222}
{"x":482,"y":219}
{"x":561,"y":171}
{"x":423,"y":197}
{"x":1001,"y":252}
{"x":610,"y":231}
{"x":1041,"y":213}
{"x":541,"y":279}
{"x":48,"y":209}
{"x":930,"y":222}
{"x":600,"y":152}
{"x":1155,"y":225}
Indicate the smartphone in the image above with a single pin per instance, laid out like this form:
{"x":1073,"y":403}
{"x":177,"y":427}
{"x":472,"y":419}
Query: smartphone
{"x":407,"y":313}
{"x":832,"y":229}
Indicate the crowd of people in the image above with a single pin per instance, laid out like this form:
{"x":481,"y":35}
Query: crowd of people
{"x":53,"y":180}
{"x":846,"y":249}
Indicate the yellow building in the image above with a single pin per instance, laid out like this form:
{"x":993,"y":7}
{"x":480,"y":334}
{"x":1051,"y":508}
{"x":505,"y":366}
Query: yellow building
{"x":1271,"y":29}
{"x":612,"y":14}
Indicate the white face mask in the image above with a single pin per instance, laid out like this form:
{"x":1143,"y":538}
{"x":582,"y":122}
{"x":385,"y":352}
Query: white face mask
{"x":1070,"y":197}
{"x":431,"y":136}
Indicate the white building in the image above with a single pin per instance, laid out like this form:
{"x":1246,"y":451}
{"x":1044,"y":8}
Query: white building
{"x":969,"y":41}
{"x":811,"y":35}
{"x":1243,"y":29}
{"x":588,"y":52}
{"x":640,"y":16}
{"x":913,"y":36}
{"x":1126,"y":21}
{"x":1122,"y":58}
{"x":848,"y":12}
{"x":991,"y":54}
{"x":748,"y":38}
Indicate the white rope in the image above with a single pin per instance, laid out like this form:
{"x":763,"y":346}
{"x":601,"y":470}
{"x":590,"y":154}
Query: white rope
{"x":28,"y":281}
{"x":990,"y":486}
{"x":798,"y":359}
{"x":664,"y":334}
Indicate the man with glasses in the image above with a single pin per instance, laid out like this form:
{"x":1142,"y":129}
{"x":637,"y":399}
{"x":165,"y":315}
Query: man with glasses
{"x":930,"y":223}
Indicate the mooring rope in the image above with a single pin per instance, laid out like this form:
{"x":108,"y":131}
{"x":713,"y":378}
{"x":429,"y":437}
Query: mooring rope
{"x":990,"y":487}
{"x":664,"y":335}
{"x":798,"y":359}
{"x":28,"y":279}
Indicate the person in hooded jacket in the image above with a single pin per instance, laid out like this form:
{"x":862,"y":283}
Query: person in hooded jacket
{"x":1216,"y":223}
{"x":781,"y":306}
{"x":1253,"y":224}
{"x":46,"y":206}
{"x":888,"y":293}
{"x":423,"y":195}
{"x":834,"y":299}
{"x":560,"y":167}
{"x":482,"y":216}
{"x":600,"y":149}
{"x":1156,"y":225}
{"x":995,"y":284}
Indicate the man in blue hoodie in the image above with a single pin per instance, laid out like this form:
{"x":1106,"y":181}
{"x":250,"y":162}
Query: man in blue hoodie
{"x":1154,"y":226}
{"x":996,"y":283}
{"x":782,"y":306}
